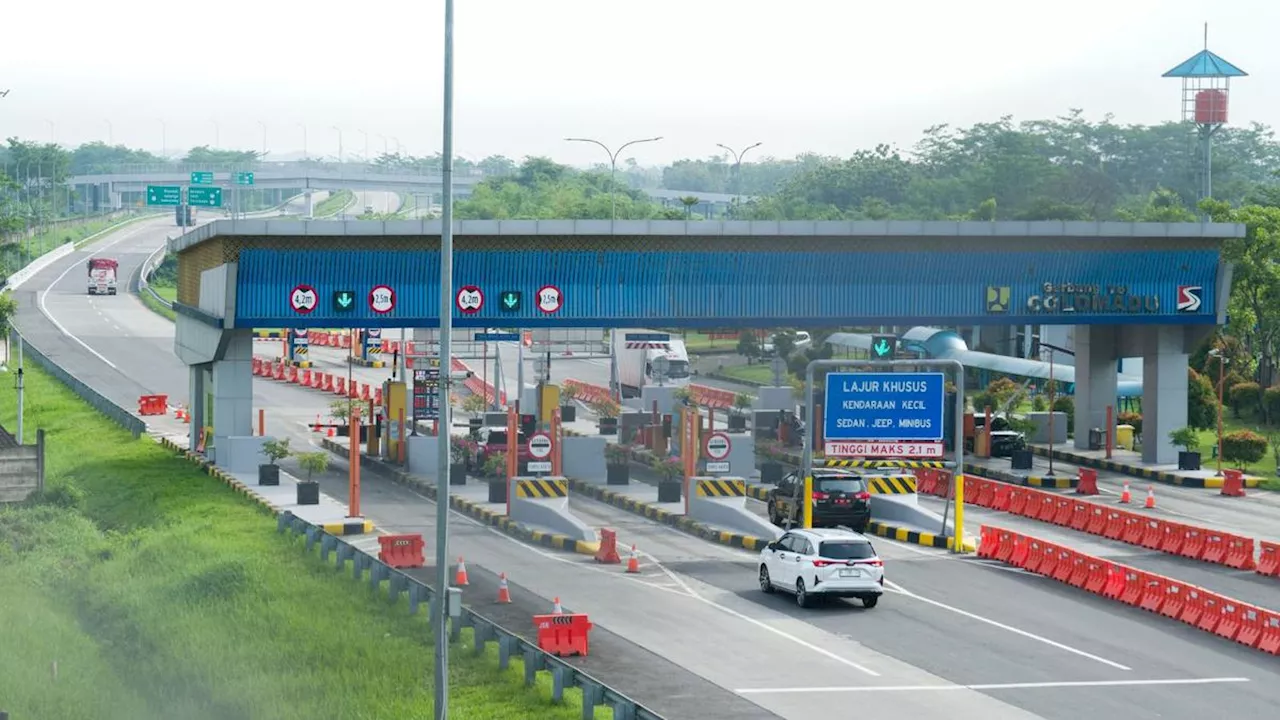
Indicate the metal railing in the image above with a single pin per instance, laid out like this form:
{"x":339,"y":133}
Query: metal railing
{"x":594,"y":692}
{"x":100,"y":402}
{"x":303,"y":167}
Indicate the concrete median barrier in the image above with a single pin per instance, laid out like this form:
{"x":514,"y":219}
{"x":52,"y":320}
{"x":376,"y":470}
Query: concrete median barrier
{"x":722,"y":502}
{"x":905,"y":510}
{"x":544,"y":502}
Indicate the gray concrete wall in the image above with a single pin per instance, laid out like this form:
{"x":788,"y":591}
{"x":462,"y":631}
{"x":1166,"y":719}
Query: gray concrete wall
{"x":1096,"y":380}
{"x":730,"y":513}
{"x":742,"y":455}
{"x":239,"y":454}
{"x":1041,"y":433}
{"x":665,"y":397}
{"x":233,"y":387}
{"x":19,"y":473}
{"x":553,"y":514}
{"x":422,"y":454}
{"x":1164,"y":392}
{"x":583,"y":458}
{"x":774,"y":398}
{"x":906,"y":510}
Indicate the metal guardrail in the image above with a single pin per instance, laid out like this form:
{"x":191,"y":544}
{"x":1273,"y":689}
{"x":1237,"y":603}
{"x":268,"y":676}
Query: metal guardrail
{"x":345,"y":169}
{"x":594,"y":692}
{"x":116,"y":413}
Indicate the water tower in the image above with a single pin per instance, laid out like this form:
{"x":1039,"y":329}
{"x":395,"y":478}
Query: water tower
{"x":1206,"y":87}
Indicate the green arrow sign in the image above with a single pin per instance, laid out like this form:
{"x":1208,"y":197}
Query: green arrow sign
{"x":244,"y":178}
{"x":509,"y":300}
{"x":204,"y":196}
{"x":344,"y":301}
{"x":202,"y":178}
{"x":883,"y":346}
{"x":164,"y":195}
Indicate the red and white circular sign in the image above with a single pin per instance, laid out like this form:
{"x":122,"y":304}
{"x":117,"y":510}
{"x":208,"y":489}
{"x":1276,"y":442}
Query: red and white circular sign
{"x":717,"y":446}
{"x":550,"y":299}
{"x":540,"y":445}
{"x":303,"y":299}
{"x":469,"y":299}
{"x":382,"y":299}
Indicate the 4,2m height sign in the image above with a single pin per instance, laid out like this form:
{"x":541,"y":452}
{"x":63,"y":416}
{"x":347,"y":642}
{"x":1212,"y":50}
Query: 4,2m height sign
{"x":884,"y":414}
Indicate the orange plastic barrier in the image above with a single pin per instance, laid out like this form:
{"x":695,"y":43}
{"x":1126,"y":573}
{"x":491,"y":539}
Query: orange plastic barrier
{"x":1251,"y":619}
{"x":1135,"y":584}
{"x":1152,"y":534}
{"x":563,"y":635}
{"x":1192,"y":542}
{"x":1152,"y":592}
{"x":1087,"y":482}
{"x":1018,"y":501}
{"x":257,"y":366}
{"x":1239,"y":553}
{"x":988,"y":542}
{"x":1270,"y":639}
{"x":1080,"y":570}
{"x":153,"y":405}
{"x":1133,"y":529}
{"x":1063,"y":509}
{"x":1097,"y":572}
{"x":588,"y":393}
{"x":1035,"y":555}
{"x":608,"y":552}
{"x":401,"y":551}
{"x":1115,"y":584}
{"x":1268,"y":559}
{"x":1232,"y":483}
{"x":926,"y":482}
{"x":1096,"y":524}
{"x":1228,"y":618}
{"x":712,"y":397}
{"x":1174,"y":535}
{"x":1175,"y":599}
{"x":1193,"y":608}
{"x":1001,"y":500}
{"x":1080,"y":514}
{"x":986,"y":493}
{"x":1215,"y":547}
{"x":1115,"y":524}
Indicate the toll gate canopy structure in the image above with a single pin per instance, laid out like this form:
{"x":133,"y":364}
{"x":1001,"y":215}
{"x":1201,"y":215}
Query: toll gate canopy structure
{"x":1150,"y":290}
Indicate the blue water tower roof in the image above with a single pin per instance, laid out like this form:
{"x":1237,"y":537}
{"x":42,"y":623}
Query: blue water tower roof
{"x":1205,"y":64}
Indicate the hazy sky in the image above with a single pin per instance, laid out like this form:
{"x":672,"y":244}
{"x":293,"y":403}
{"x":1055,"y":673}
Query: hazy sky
{"x":830,"y":76}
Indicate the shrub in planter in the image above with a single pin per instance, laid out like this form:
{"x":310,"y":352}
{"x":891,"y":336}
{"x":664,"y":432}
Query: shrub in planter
{"x":569,"y":408}
{"x":1243,"y":448}
{"x":274,"y":450}
{"x":738,"y":418}
{"x":607,"y":409}
{"x":617,"y":464}
{"x":462,"y":457}
{"x":312,"y":462}
{"x":770,"y":455}
{"x":1131,"y":418}
{"x":1189,"y":440}
{"x":669,"y":487}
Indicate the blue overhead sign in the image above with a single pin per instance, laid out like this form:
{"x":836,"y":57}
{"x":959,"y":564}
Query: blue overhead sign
{"x":885,"y":407}
{"x":497,"y":337}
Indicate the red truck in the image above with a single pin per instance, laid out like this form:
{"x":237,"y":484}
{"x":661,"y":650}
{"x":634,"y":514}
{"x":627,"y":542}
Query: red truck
{"x":102,"y":276}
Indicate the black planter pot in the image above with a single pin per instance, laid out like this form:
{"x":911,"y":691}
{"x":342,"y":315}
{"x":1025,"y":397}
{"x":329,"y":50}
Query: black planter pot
{"x":497,"y":490}
{"x":617,"y":474}
{"x":669,"y":491}
{"x":308,"y":493}
{"x":458,"y":474}
{"x":770,"y":473}
{"x":737,"y":423}
{"x":1020,"y":459}
{"x":345,"y":431}
{"x":268,"y":474}
{"x":568,"y":413}
{"x":608,"y":426}
{"x":473,"y":427}
{"x":1188,"y":460}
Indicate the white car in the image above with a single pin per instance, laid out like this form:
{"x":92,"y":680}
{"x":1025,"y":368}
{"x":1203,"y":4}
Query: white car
{"x":823,"y":562}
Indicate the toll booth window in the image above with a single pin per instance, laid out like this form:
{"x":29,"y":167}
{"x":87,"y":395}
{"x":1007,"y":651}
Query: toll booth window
{"x":846,"y":550}
{"x":842,"y":485}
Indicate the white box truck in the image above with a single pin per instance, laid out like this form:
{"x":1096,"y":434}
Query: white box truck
{"x":635,"y":359}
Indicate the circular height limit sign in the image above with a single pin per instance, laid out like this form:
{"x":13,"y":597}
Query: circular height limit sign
{"x":382,"y":299}
{"x":540,"y":445}
{"x":717,"y":446}
{"x":550,"y":299}
{"x":303,"y":299}
{"x":469,"y":299}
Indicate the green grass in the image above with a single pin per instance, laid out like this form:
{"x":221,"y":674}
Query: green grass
{"x":1264,"y":468}
{"x":333,"y":204}
{"x":156,"y":306}
{"x":161,"y":593}
{"x":750,"y":373}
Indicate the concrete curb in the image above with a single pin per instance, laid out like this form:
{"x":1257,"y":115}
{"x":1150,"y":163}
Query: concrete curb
{"x":679,"y":522}
{"x":369,"y":363}
{"x":1160,"y":476}
{"x":360,"y":527}
{"x":915,"y":537}
{"x":468,"y":508}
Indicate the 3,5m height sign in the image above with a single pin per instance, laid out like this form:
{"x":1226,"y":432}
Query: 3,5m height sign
{"x":884,"y":414}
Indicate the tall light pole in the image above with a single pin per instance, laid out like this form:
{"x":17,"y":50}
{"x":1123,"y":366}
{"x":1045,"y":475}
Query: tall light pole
{"x":335,"y":127}
{"x":366,"y":144}
{"x":53,"y":131}
{"x":613,"y":167}
{"x":111,"y":133}
{"x":304,"y":141}
{"x":446,"y":383}
{"x":164,"y":138}
{"x":264,"y":138}
{"x":737,"y":167}
{"x":385,"y":146}
{"x":217,"y":132}
{"x":1222,"y":361}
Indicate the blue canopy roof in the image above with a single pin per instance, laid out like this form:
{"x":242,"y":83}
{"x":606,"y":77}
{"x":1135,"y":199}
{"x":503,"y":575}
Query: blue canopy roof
{"x":1205,"y":64}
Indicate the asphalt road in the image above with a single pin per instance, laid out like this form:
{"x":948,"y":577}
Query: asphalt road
{"x":381,"y":202}
{"x":956,"y":637}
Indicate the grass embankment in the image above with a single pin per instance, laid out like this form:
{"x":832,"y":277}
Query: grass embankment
{"x":334,"y":204}
{"x":161,"y":593}
{"x":750,"y":373}
{"x":700,"y":342}
{"x":21,"y":251}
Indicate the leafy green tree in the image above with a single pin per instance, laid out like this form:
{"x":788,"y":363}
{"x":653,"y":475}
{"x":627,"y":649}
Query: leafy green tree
{"x":208,"y":156}
{"x":99,"y":157}
{"x":1255,"y":292}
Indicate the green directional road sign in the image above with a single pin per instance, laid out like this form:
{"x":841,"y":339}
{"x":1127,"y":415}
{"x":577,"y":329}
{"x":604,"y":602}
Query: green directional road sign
{"x":509,"y":301}
{"x":344,"y":301}
{"x":164,"y":195}
{"x":883,"y":347}
{"x":244,"y":178}
{"x":202,"y":178}
{"x":204,"y":196}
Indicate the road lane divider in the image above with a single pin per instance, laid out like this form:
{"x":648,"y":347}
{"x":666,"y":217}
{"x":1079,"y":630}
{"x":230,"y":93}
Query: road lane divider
{"x":1160,"y":476}
{"x":1249,"y":625}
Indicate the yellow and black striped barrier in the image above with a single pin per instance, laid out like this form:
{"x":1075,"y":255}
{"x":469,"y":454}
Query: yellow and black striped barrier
{"x":916,"y":537}
{"x":722,"y":488}
{"x":542,"y":489}
{"x":269,"y":334}
{"x":891,"y":484}
{"x":348,"y":527}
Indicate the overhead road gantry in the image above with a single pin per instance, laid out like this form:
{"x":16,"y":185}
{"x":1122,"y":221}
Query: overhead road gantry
{"x":1151,"y":290}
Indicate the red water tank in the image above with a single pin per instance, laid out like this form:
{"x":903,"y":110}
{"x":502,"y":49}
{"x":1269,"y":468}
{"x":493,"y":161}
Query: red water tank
{"x":1211,"y":107}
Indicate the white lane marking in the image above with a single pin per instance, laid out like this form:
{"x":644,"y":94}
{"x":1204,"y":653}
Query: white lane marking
{"x":44,"y":294}
{"x":995,"y":686}
{"x":1009,"y":628}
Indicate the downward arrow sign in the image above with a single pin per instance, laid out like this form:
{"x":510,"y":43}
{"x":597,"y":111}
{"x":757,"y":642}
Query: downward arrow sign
{"x":882,"y":348}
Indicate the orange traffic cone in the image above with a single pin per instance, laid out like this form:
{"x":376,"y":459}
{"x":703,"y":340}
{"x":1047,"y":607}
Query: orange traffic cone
{"x":633,"y":563}
{"x":1125,"y":496}
{"x":1150,"y":504}
{"x":461,"y":578}
{"x":556,"y":609}
{"x":330,"y":433}
{"x":316,"y":427}
{"x":504,"y":593}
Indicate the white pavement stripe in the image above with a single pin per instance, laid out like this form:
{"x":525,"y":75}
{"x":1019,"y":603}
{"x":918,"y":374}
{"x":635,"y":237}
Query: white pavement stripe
{"x":1009,"y":628}
{"x":994,"y":686}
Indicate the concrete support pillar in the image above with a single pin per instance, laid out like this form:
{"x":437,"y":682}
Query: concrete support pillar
{"x":1095,"y":379}
{"x":196,"y":391}
{"x":308,"y":205}
{"x":1164,"y":391}
{"x":233,"y":388}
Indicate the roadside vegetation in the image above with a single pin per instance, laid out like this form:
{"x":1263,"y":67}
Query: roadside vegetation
{"x":138,"y":588}
{"x":334,"y":204}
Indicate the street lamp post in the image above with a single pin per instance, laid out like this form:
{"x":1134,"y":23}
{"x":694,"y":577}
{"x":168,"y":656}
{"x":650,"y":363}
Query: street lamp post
{"x":305,"y":157}
{"x":737,"y":167}
{"x":1222,"y":361}
{"x":164,"y":138}
{"x":366,"y":145}
{"x":53,"y":131}
{"x":264,"y":138}
{"x":217,"y":133}
{"x":335,"y":127}
{"x":613,"y":167}
{"x":111,"y":133}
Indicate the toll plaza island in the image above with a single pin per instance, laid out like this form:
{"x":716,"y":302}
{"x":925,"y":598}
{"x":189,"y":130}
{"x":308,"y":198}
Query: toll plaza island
{"x":1150,"y":290}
